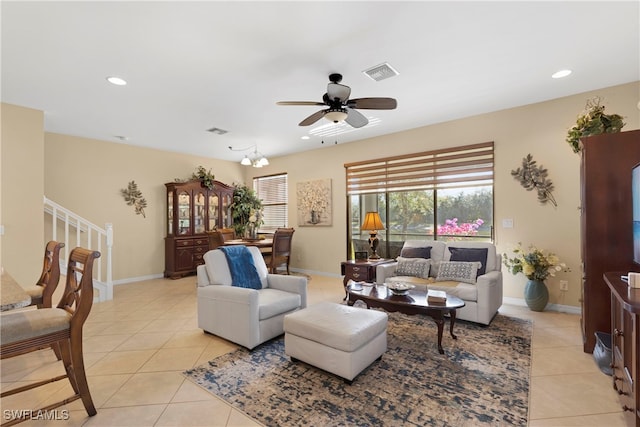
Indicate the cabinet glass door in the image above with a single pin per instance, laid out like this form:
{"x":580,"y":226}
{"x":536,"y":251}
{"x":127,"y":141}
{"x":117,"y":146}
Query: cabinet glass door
{"x":198,"y":214}
{"x":170,"y":213}
{"x":213,"y":212}
{"x":184,"y":212}
{"x":227,"y":219}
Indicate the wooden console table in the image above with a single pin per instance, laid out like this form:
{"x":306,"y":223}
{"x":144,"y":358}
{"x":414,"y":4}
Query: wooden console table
{"x":625,"y":340}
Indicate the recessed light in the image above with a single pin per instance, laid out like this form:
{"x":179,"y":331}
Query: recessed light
{"x":560,"y":74}
{"x":305,"y":137}
{"x":116,"y":81}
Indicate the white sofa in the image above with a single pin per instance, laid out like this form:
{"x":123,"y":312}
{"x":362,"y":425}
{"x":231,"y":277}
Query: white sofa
{"x":246,"y":316}
{"x":482,"y":299}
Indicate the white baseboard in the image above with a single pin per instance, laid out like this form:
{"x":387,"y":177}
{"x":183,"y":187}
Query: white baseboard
{"x":137,"y":279}
{"x":550,"y":307}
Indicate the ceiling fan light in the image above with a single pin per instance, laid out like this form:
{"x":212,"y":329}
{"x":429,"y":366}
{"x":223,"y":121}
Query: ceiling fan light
{"x":246,"y":161}
{"x":336,"y":115}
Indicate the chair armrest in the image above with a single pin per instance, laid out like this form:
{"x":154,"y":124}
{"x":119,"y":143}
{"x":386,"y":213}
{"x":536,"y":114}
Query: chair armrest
{"x":293,"y":284}
{"x":384,"y":271}
{"x":202,"y":276}
{"x":490,"y":289}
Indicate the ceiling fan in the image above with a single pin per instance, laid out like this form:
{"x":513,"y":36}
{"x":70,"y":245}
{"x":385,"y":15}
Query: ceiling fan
{"x":341,"y":107}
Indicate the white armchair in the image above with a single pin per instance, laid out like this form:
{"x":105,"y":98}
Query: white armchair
{"x":247,"y":317}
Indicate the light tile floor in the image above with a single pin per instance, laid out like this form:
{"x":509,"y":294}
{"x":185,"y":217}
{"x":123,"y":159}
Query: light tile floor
{"x":137,"y":346}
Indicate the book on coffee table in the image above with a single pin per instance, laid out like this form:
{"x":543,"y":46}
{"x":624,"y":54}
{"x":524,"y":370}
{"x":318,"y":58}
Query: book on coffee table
{"x":436,"y":297}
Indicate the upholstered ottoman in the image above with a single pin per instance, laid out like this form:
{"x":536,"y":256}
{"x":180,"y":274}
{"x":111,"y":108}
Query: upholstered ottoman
{"x":337,"y":338}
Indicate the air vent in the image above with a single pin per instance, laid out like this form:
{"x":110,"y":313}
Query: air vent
{"x":381,"y":72}
{"x":217,"y":131}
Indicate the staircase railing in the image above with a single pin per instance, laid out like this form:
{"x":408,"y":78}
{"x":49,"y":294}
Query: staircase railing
{"x":87,"y":235}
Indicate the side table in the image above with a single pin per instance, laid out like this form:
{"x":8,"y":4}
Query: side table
{"x":361,"y":270}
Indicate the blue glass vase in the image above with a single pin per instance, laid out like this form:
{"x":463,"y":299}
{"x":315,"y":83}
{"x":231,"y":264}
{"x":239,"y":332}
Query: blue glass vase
{"x":536,"y":295}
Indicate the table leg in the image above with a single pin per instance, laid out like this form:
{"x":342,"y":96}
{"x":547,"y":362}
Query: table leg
{"x":440,"y":323}
{"x":452,"y":321}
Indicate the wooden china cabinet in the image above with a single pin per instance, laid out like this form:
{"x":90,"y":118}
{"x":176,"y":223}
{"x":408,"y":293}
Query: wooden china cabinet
{"x":192,"y":210}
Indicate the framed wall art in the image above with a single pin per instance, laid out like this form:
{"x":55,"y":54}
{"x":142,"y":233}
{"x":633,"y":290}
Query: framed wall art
{"x":314,"y":203}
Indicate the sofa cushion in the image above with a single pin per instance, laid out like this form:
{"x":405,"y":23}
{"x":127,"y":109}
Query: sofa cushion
{"x":458,"y":271}
{"x":421,"y":252}
{"x":464,"y":291}
{"x":470,"y":255}
{"x":416,"y":267}
{"x":272,"y":302}
{"x":437,"y":252}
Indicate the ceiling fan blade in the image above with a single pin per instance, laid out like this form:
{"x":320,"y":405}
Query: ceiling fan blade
{"x":373,"y":103}
{"x":335,"y":90}
{"x":313,"y":118}
{"x":298,"y":103}
{"x":356,"y":118}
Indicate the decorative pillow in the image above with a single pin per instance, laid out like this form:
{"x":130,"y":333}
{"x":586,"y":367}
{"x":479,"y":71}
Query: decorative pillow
{"x":458,"y":271}
{"x":424,"y":252}
{"x":470,"y":255}
{"x":415,"y":267}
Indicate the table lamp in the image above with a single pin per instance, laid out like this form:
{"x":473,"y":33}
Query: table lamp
{"x":373,"y":223}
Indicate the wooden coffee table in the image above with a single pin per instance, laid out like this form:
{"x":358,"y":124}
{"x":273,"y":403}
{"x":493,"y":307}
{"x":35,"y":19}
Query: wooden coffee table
{"x":414,"y":302}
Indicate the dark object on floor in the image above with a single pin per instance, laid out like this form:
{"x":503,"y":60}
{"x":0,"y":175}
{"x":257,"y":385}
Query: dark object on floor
{"x":602,"y":352}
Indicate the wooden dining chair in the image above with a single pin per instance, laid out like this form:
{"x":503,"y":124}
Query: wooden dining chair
{"x":216,"y":239}
{"x":280,"y":250}
{"x":42,"y":292}
{"x":24,"y":331}
{"x":228,"y":233}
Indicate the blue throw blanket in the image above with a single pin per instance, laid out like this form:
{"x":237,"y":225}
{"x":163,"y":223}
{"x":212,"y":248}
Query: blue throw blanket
{"x":243,"y":270}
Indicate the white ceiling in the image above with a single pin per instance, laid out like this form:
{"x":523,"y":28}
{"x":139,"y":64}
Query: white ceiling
{"x":191,"y":66}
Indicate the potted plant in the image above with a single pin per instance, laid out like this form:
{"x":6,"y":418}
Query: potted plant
{"x":593,"y":121}
{"x":246,"y":206}
{"x":537,"y":265}
{"x":204,"y":176}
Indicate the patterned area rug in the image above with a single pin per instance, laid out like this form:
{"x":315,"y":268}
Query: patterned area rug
{"x":482,"y":379}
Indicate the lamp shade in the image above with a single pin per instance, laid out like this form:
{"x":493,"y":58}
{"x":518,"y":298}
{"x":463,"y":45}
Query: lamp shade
{"x":372,"y":221}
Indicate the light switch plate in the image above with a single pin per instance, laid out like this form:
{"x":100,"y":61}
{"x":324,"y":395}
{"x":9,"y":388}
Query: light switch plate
{"x":507,"y":223}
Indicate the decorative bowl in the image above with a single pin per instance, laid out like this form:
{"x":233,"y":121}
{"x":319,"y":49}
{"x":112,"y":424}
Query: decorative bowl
{"x":400,"y":288}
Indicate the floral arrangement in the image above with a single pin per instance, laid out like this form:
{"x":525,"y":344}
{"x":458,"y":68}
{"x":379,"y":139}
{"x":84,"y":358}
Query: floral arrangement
{"x":593,"y":121}
{"x":451,"y":227}
{"x":534,"y":263}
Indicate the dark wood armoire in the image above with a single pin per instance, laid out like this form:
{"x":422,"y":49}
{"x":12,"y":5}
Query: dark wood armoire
{"x":606,"y":223}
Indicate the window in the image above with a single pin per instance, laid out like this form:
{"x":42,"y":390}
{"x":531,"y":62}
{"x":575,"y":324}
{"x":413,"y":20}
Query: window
{"x":273,"y":191}
{"x":443,"y":194}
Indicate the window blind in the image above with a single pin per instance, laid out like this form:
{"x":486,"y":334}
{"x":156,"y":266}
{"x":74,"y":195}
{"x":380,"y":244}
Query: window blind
{"x":273,"y":190}
{"x":465,"y":166}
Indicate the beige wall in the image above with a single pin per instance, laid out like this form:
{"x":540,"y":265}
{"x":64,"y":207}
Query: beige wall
{"x":22,"y":158}
{"x":86,"y":176}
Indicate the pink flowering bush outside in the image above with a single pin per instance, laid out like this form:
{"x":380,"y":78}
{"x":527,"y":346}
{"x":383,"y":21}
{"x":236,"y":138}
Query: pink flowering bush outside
{"x":452,"y":228}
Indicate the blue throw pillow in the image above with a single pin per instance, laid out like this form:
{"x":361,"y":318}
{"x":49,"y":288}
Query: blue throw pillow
{"x":470,"y":255}
{"x":243,"y":270}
